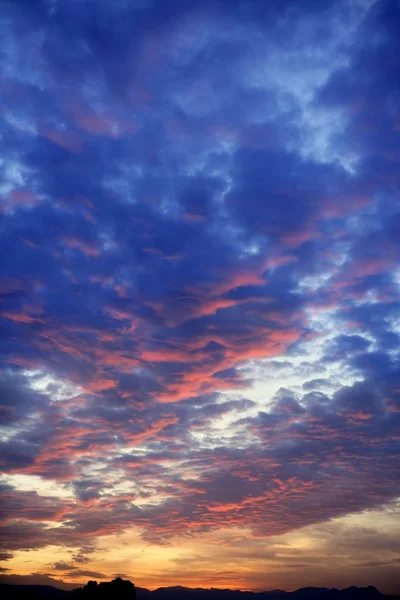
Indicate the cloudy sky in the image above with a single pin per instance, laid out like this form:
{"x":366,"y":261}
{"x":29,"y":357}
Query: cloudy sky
{"x":200,"y":314}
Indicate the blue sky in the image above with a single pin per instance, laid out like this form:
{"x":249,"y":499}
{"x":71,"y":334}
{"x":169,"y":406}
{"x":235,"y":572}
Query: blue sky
{"x":199,"y":302}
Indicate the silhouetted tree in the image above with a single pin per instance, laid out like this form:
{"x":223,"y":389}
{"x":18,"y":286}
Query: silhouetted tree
{"x":118,"y":589}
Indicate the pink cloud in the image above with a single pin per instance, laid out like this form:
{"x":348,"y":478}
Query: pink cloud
{"x":100,"y":384}
{"x":99,"y":122}
{"x":19,"y":198}
{"x":296,"y":238}
{"x":274,"y":262}
{"x":20,"y":317}
{"x":344,"y":205}
{"x":88,"y":248}
{"x":66,"y":139}
{"x":152,"y":431}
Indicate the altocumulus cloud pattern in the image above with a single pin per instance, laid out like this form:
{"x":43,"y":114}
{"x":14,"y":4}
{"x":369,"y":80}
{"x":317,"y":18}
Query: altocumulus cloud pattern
{"x":200,"y":224}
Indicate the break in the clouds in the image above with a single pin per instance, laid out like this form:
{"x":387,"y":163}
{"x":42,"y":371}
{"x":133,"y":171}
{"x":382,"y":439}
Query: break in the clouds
{"x":199,"y":303}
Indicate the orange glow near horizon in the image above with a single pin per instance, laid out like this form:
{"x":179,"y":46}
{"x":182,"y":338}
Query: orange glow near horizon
{"x":230,"y":558}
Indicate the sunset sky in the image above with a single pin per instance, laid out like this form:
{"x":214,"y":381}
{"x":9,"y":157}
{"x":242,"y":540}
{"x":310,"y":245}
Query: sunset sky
{"x":200,"y":292}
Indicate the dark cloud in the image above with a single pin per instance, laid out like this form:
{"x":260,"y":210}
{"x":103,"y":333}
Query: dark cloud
{"x":62,"y":566}
{"x":28,"y":505}
{"x":87,"y":489}
{"x":5,"y":555}
{"x":18,"y":399}
{"x":316,"y":383}
{"x":346,"y":345}
{"x":80,"y":573}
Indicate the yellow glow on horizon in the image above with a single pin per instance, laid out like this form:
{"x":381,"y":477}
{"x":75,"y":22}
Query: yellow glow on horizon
{"x":230,"y":557}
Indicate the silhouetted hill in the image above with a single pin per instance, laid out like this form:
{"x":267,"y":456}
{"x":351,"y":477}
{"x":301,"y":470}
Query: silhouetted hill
{"x":142,"y":592}
{"x":352,"y":593}
{"x":37,"y":592}
{"x":30,"y":592}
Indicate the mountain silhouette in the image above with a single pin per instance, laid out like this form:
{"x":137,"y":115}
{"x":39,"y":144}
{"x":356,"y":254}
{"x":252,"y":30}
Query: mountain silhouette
{"x":120,"y":589}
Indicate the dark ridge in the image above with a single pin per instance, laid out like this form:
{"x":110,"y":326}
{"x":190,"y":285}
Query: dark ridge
{"x":30,"y":592}
{"x":120,"y":589}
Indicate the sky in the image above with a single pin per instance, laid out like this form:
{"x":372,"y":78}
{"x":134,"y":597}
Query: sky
{"x":200,"y":292}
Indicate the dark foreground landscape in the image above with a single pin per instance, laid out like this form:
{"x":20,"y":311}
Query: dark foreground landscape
{"x":121,"y":590}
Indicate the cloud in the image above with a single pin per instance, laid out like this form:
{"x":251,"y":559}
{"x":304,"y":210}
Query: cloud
{"x":80,"y":573}
{"x":62,"y":566}
{"x":199,"y":306}
{"x":6,"y":555}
